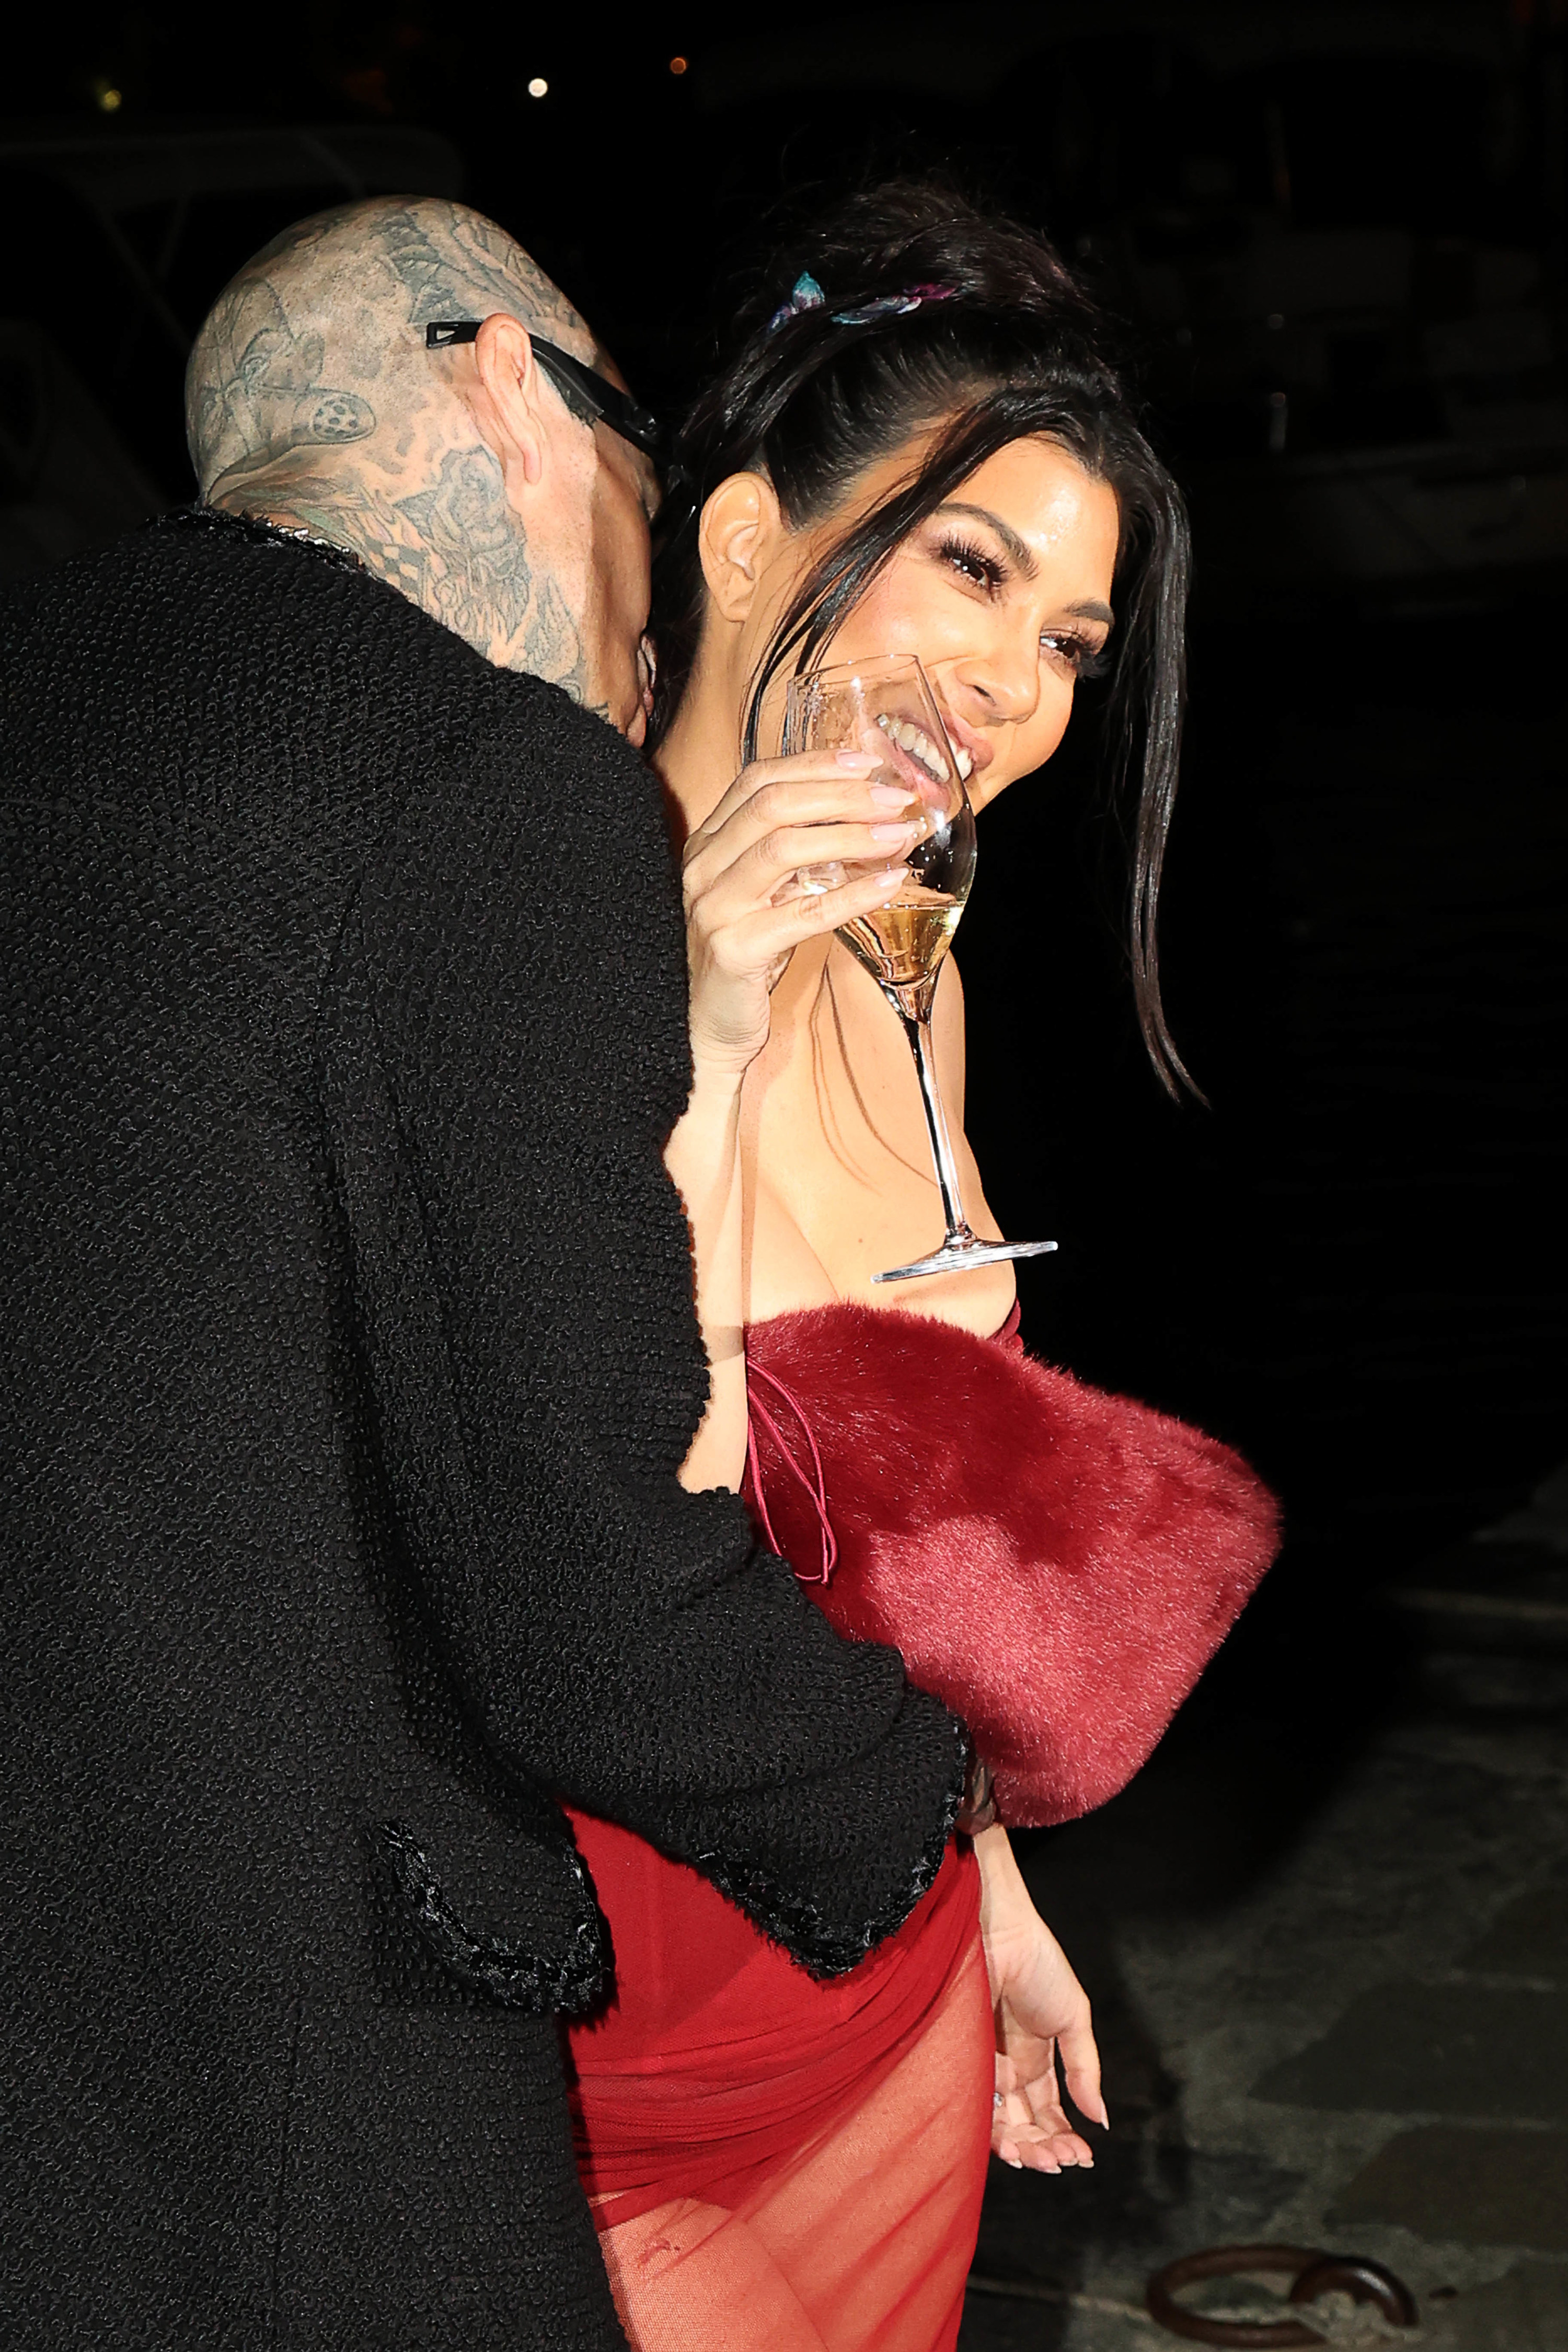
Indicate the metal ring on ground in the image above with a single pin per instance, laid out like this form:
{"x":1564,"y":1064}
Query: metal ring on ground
{"x":1311,"y":2272}
{"x":1369,"y":2282}
{"x":1228,"y":2261}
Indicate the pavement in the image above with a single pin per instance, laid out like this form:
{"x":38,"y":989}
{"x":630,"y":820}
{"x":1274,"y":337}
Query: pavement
{"x":1332,"y":1990}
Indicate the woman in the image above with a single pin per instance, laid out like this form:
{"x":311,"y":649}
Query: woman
{"x":922,"y":451}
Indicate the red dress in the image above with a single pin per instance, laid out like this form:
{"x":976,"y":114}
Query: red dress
{"x":779,"y":2164}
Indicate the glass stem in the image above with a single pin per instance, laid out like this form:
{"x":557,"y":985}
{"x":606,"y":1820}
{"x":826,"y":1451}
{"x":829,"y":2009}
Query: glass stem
{"x":918,"y":1034}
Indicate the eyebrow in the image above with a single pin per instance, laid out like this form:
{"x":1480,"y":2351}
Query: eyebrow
{"x":1088,"y":609}
{"x":1022,"y":555}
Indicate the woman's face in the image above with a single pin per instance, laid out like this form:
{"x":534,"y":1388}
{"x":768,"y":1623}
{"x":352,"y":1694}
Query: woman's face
{"x":1004,"y":594}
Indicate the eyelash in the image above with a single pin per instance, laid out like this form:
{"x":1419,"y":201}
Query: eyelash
{"x":966,"y":556}
{"x":1084,"y":658}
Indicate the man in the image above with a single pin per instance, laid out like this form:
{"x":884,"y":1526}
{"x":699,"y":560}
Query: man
{"x":351,"y":1350}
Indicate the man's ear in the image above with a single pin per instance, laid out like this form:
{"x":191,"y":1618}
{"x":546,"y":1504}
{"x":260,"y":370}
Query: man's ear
{"x":509,"y":388}
{"x":740,"y":526}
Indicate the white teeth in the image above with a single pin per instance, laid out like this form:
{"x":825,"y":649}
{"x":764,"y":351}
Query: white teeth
{"x":917,"y":743}
{"x":965,"y":764}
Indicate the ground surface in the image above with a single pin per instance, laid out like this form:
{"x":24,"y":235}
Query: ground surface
{"x":1363,"y":2045}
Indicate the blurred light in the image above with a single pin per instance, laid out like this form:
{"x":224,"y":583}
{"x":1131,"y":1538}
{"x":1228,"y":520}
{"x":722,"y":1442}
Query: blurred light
{"x":109,"y":99}
{"x":538,"y":86}
{"x":678,"y":65}
{"x":1276,"y":320}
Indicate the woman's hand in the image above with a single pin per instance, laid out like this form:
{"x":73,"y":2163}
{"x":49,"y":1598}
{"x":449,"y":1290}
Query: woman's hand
{"x":743,"y":921}
{"x":1041,"y":2010}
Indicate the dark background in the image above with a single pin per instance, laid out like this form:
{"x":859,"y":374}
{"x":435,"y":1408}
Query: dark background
{"x":1335,"y":235}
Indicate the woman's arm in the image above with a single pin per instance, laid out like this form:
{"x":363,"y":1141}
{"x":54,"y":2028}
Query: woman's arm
{"x":777,"y":817}
{"x":1041,"y":2010}
{"x":704,"y":1161}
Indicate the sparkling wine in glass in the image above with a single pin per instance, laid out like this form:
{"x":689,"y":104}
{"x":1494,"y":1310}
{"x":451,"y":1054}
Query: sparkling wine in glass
{"x":886,"y":705}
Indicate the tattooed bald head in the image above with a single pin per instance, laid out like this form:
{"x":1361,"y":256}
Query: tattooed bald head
{"x":458,"y":475}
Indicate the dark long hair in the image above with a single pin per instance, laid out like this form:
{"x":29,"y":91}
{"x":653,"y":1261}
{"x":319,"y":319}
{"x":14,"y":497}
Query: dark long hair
{"x":813,"y":401}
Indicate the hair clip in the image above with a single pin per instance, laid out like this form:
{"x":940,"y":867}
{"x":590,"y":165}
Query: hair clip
{"x":889,"y":305}
{"x":805,"y":295}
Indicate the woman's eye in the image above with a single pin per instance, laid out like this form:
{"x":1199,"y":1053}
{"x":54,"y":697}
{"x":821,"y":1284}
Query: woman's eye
{"x":972,"y":563}
{"x":1083,"y":658}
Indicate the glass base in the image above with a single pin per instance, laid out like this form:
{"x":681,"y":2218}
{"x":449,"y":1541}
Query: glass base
{"x":956,"y":1257}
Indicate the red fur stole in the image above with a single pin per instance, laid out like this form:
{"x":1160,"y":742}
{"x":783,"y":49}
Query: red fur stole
{"x":1057,"y":1564}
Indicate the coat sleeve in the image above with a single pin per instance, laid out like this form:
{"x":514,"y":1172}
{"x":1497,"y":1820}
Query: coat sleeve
{"x":503,"y":1054}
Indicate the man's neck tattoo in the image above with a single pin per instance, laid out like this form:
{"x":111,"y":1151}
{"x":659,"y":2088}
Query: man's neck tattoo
{"x":455,"y":547}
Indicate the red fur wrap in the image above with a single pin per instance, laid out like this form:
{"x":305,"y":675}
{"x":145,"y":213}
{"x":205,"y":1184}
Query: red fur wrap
{"x":1057,"y":1564}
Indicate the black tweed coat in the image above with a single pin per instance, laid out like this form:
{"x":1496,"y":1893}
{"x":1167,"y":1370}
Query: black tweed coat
{"x":348,"y":1355}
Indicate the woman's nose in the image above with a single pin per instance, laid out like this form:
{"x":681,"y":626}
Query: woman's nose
{"x":1004,"y":684}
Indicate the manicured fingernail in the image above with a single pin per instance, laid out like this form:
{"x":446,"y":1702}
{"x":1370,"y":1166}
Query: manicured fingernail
{"x":861,"y":762}
{"x":889,"y":797}
{"x":894,"y":832}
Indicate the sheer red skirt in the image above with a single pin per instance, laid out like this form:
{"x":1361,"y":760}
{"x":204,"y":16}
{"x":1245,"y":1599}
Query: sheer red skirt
{"x":775,"y":2162}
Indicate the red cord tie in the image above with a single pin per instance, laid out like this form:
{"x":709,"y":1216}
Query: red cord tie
{"x":814,"y":1487}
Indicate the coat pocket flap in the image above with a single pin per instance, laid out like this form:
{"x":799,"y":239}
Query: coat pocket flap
{"x":439,"y":1916}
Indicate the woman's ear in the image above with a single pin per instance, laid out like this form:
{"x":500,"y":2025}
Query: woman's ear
{"x":740,"y":527}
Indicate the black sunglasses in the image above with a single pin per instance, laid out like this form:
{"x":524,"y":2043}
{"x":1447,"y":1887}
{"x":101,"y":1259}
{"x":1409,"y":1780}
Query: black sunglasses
{"x":587,"y":396}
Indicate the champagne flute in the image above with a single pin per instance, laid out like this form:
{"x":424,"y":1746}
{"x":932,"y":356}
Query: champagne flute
{"x":886,"y":705}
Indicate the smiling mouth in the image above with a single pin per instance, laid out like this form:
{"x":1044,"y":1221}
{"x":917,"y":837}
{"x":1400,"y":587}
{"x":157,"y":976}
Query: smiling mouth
{"x":920,"y":747}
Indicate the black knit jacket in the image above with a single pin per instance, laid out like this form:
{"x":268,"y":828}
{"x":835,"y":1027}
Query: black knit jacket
{"x":349,"y":1355}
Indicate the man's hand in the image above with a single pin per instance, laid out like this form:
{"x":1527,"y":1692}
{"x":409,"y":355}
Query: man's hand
{"x":744,"y":918}
{"x":1041,"y":2012}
